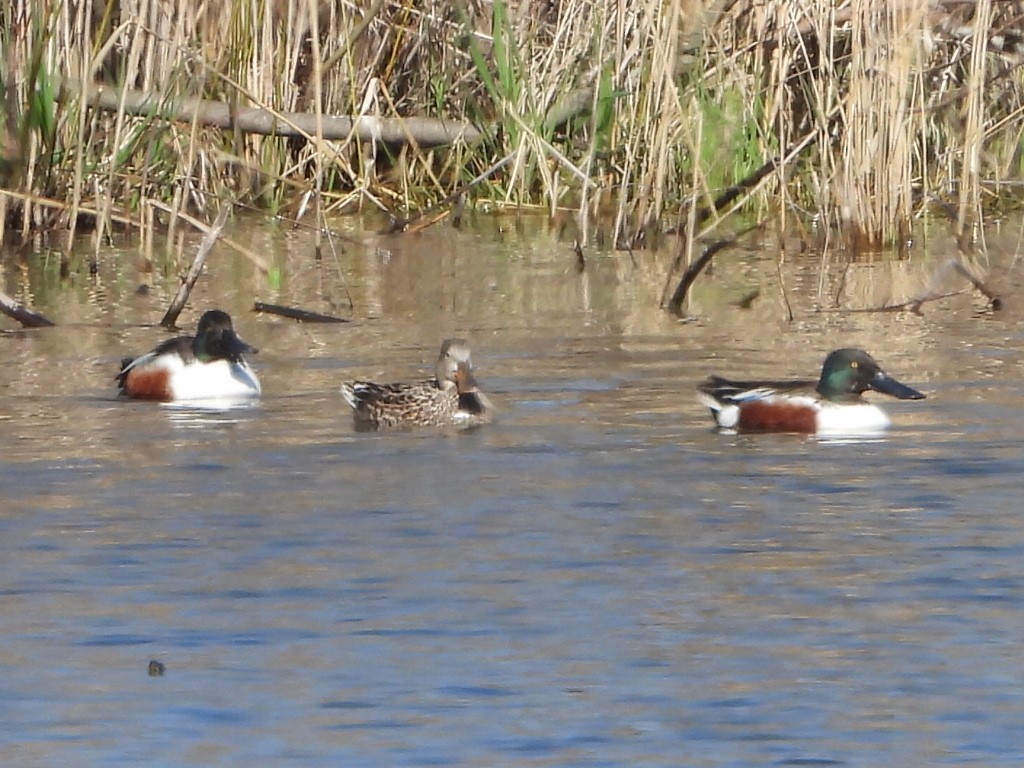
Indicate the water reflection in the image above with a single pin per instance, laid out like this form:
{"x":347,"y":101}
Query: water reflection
{"x":599,"y":578}
{"x":204,"y":412}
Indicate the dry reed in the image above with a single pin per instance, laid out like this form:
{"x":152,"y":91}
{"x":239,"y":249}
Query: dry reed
{"x":638,"y":117}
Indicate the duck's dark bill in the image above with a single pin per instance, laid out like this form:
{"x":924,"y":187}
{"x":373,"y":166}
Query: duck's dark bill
{"x":888,"y":385}
{"x":235,"y":346}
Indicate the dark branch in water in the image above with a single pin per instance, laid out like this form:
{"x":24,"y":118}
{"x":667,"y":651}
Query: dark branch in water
{"x":302,"y":315}
{"x":914,"y":305}
{"x":26,"y":317}
{"x":675,"y":304}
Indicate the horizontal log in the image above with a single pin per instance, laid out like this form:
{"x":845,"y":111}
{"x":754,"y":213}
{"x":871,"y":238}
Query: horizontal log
{"x":426,"y":131}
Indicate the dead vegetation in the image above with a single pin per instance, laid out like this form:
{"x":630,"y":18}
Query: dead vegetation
{"x":640,"y":118}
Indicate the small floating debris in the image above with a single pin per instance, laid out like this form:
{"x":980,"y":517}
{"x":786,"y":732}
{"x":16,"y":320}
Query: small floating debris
{"x":156,"y":668}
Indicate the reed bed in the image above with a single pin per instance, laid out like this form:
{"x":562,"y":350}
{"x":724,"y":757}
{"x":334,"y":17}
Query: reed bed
{"x":639,"y":119}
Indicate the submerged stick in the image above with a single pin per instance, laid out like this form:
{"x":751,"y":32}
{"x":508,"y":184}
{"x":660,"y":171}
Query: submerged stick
{"x":675,"y":304}
{"x":293,"y":313}
{"x":914,"y":305}
{"x":171,"y":317}
{"x":28,"y":319}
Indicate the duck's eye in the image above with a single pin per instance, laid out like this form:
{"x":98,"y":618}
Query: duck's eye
{"x":854,"y":364}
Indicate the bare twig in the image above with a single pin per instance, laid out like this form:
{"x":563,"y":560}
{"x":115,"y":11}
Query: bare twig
{"x":932,"y":294}
{"x":995,"y":299}
{"x":913,"y":305}
{"x":171,"y":317}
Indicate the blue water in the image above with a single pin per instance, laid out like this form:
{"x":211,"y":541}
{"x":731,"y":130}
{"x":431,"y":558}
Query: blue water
{"x":598,"y":579}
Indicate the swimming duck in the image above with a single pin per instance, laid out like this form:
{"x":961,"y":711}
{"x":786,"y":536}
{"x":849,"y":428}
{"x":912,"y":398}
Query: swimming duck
{"x":208,"y":365}
{"x":452,"y":397}
{"x":832,"y":406}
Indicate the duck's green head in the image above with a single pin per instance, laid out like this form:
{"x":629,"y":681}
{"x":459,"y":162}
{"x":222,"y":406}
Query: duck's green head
{"x":849,"y":372}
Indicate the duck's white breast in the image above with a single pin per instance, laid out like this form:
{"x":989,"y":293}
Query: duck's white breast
{"x":859,"y":419}
{"x":217,"y":379}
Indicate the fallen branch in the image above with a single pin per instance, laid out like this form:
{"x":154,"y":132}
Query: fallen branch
{"x":931,"y":293}
{"x":28,"y":319}
{"x":302,"y":315}
{"x":914,"y":305}
{"x":427,"y":131}
{"x":171,"y":317}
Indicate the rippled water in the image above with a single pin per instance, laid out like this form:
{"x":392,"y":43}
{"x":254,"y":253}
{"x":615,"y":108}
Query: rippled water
{"x":598,"y":579}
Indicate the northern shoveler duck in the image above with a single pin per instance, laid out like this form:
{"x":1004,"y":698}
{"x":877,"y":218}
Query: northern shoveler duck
{"x":832,"y":407}
{"x":452,"y":397}
{"x":207,"y":366}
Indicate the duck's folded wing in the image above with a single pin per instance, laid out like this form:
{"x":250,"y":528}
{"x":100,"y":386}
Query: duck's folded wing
{"x":368,"y":392}
{"x":729,"y":390}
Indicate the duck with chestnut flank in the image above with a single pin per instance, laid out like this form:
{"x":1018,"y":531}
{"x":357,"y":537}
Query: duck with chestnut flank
{"x":833,"y":406}
{"x":207,"y":366}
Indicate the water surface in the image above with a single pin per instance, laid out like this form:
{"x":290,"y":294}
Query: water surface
{"x":598,"y":579}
